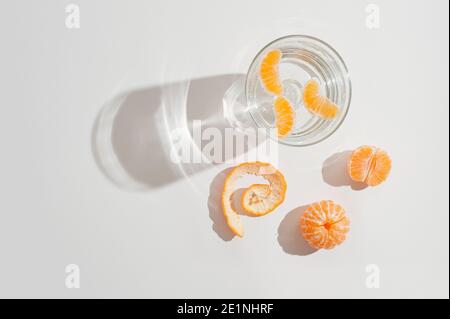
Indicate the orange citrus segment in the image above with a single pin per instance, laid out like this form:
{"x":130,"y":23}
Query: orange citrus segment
{"x":380,"y":169}
{"x":370,"y":165}
{"x":284,"y":116}
{"x":324,"y":225}
{"x":323,"y":107}
{"x":258,"y":199}
{"x":268,"y":72}
{"x":311,"y":91}
{"x":359,"y":163}
{"x":317,"y":104}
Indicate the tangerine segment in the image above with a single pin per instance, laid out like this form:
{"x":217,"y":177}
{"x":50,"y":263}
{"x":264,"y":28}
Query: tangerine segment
{"x":317,"y":104}
{"x":284,"y":116}
{"x":268,"y":72}
{"x":258,"y":199}
{"x":370,"y":165}
{"x":311,"y":91}
{"x":324,"y":225}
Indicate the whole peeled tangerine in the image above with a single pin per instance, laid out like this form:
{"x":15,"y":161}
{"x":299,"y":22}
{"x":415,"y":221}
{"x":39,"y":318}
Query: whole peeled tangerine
{"x":324,"y":225}
{"x":370,"y":165}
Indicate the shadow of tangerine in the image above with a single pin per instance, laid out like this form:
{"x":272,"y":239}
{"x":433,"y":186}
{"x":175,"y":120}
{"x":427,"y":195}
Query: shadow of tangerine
{"x":132,"y":137}
{"x":290,"y":237}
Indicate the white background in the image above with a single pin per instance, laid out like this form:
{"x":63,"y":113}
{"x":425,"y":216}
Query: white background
{"x":155,"y":238}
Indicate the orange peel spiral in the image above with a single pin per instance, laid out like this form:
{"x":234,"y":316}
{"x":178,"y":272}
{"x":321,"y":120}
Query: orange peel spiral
{"x":258,"y":199}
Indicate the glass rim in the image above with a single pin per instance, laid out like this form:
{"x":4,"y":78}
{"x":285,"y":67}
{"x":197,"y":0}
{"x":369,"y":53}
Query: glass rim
{"x":347,"y":76}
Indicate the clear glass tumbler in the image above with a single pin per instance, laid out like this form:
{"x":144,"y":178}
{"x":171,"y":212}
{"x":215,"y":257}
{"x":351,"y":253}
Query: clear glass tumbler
{"x":303,"y":58}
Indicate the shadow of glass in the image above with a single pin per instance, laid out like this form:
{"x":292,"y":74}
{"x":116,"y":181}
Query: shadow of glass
{"x":290,"y":237}
{"x":137,"y":136}
{"x":335,"y":173}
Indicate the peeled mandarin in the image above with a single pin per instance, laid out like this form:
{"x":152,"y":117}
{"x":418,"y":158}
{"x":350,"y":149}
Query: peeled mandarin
{"x":324,"y":225}
{"x":369,"y":164}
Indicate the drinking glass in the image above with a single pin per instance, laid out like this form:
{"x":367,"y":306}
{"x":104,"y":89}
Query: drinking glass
{"x":303,"y":58}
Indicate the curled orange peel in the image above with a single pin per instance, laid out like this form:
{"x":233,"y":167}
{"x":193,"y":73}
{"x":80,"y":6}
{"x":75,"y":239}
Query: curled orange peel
{"x":257,"y":199}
